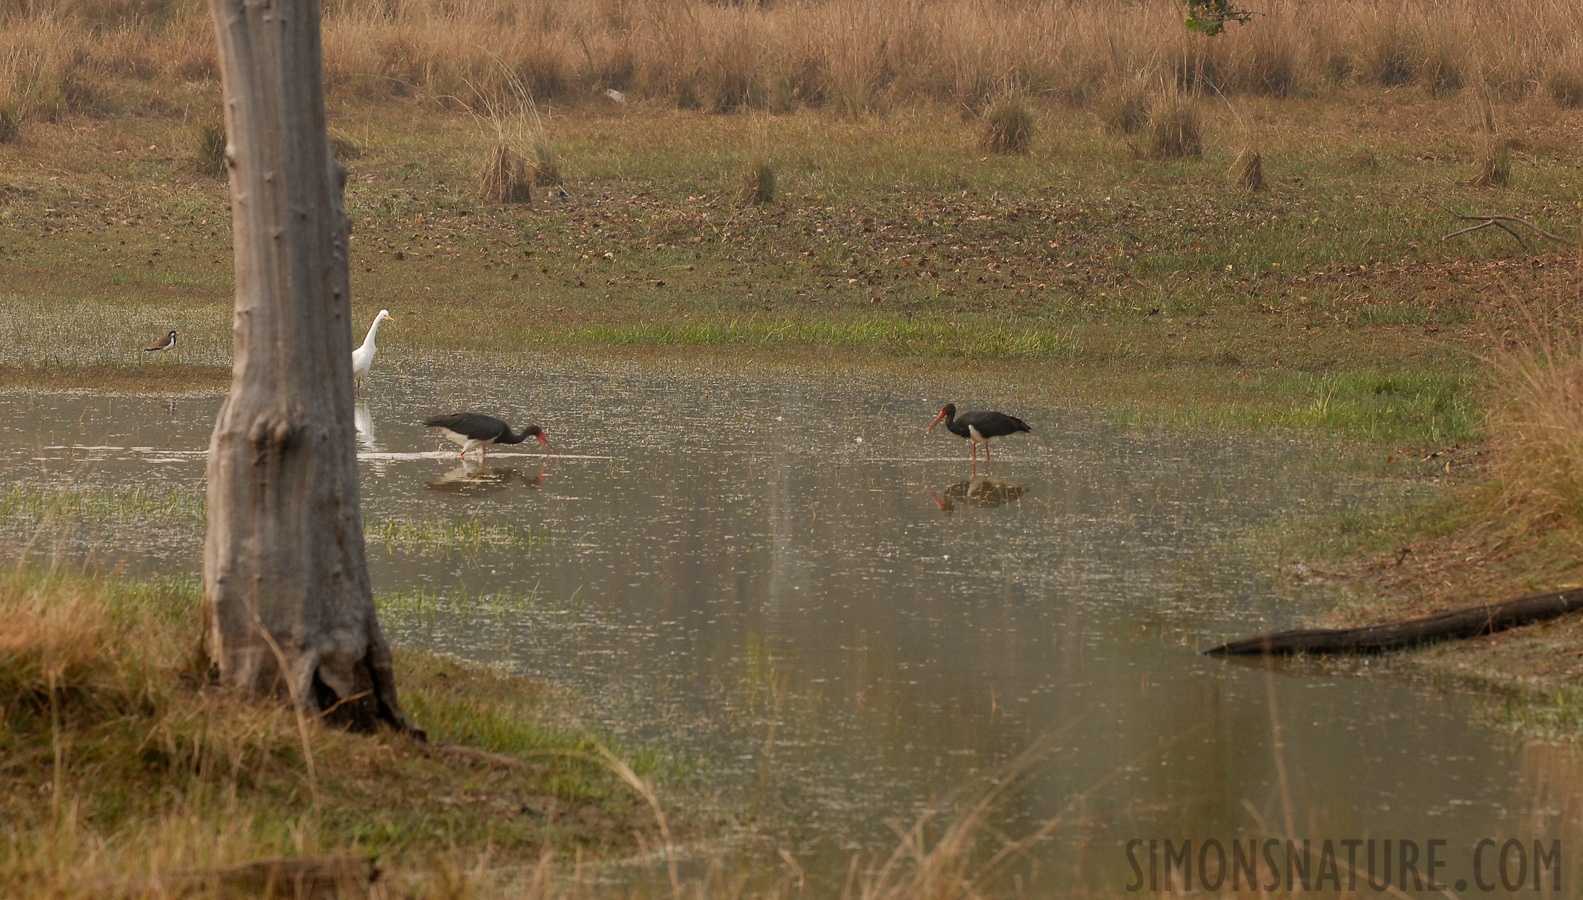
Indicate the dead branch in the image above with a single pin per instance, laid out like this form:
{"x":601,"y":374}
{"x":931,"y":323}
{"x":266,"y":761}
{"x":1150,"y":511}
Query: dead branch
{"x":1504,"y":223}
{"x":1471,"y":621}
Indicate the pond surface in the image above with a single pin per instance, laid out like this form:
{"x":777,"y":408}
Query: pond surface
{"x":785,"y":578}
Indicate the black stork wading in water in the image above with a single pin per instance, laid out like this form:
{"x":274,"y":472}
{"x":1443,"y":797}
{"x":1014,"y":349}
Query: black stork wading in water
{"x":475,"y":430}
{"x":979,"y":426}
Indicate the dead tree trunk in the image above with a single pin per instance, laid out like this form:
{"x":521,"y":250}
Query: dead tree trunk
{"x":287,"y":602}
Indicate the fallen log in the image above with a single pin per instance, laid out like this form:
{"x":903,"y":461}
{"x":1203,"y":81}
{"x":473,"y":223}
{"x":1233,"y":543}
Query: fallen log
{"x":1470,"y":621}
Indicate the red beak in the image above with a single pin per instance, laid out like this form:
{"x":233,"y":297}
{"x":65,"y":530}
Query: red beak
{"x":544,"y":441}
{"x":937,"y":420}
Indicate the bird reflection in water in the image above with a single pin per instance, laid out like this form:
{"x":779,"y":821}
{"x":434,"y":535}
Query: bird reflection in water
{"x":366,"y":441}
{"x":472,"y":478}
{"x":979,"y":491}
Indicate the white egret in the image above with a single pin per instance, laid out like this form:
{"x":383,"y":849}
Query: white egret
{"x":363,"y":357}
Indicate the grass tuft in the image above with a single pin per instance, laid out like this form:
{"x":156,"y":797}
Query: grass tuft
{"x":210,"y":152}
{"x":757,"y":185}
{"x":503,"y":179}
{"x":1563,"y":80}
{"x":1008,"y":126}
{"x":1495,"y":166}
{"x":1248,"y":171}
{"x":10,"y":125}
{"x":546,"y":166}
{"x":1124,"y":106}
{"x":1175,"y":126}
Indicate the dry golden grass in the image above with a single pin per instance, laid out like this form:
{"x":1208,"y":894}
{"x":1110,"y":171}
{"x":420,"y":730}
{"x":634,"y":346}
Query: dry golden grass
{"x":126,"y":775}
{"x":1563,"y":80}
{"x":1536,"y":432}
{"x":847,"y":55}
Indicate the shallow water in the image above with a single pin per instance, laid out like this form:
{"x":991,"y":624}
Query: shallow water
{"x":785,"y":578}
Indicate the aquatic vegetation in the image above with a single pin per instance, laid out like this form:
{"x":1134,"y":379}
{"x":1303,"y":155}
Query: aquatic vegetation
{"x":445,"y":536}
{"x":123,"y":505}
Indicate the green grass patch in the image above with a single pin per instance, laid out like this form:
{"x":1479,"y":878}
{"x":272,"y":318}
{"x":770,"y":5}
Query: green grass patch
{"x":885,"y":335}
{"x":1327,"y":302}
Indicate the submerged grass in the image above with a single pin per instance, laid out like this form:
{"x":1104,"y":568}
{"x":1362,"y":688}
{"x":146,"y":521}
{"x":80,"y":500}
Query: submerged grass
{"x":445,"y":536}
{"x":68,"y":506}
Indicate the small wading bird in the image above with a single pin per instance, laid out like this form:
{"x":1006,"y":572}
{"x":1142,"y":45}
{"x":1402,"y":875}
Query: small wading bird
{"x":363,"y":357}
{"x":978,"y":426}
{"x":168,"y":342}
{"x":474,"y":430}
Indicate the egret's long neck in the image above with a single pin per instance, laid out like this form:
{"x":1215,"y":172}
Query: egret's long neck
{"x":368,"y":342}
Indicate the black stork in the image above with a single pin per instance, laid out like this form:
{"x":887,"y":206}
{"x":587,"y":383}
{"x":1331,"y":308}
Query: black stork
{"x":475,"y":430}
{"x":168,"y":342}
{"x":978,"y":426}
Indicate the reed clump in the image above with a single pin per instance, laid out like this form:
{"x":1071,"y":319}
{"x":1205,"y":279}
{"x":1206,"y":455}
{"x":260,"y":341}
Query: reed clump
{"x":1495,"y":164}
{"x":756,"y":187}
{"x":1248,"y":170}
{"x":504,"y":177}
{"x":1008,"y":126}
{"x":209,"y":153}
{"x":1176,"y":126}
{"x":546,"y":166}
{"x":1564,"y":80}
{"x":1123,"y":107}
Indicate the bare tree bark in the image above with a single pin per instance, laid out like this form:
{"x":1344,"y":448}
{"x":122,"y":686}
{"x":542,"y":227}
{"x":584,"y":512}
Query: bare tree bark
{"x":287,"y":602}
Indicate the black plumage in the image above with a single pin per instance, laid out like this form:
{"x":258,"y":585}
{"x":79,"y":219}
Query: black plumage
{"x":477,"y":430}
{"x":979,"y":426}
